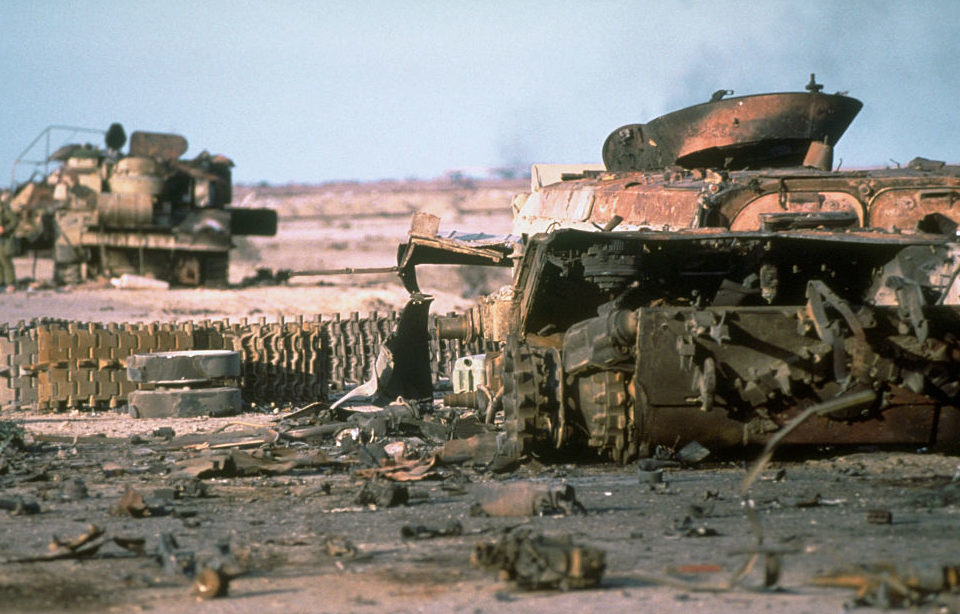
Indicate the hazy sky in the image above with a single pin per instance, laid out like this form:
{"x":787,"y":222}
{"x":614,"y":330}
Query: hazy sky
{"x":315,"y":91}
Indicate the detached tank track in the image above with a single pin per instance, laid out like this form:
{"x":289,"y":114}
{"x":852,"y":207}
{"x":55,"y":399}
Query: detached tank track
{"x":56,"y":364}
{"x":529,"y":399}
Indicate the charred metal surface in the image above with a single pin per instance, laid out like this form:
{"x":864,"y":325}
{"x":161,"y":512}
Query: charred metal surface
{"x":766,"y":130}
{"x":719,"y":338}
{"x":718,"y":278}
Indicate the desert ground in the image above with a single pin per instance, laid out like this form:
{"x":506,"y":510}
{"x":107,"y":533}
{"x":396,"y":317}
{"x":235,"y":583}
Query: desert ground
{"x":302,"y":539}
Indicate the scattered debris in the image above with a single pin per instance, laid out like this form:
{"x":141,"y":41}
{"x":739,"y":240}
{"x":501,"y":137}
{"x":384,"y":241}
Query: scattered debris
{"x":489,"y":449}
{"x":12,"y":436}
{"x":17,"y":506}
{"x":451,"y":529}
{"x":878,"y":516}
{"x":525,"y":499}
{"x":650,"y":477}
{"x":339,"y":546}
{"x":84,"y":545}
{"x":407,"y":471}
{"x":234,"y":463}
{"x":380,"y":493}
{"x":535,"y":561}
{"x":133,"y":504}
{"x":210,"y":583}
{"x":687,"y":528}
{"x":692,"y":453}
{"x":889,"y":585}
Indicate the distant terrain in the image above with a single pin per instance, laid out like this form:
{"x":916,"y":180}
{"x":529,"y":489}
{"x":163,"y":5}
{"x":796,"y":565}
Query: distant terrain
{"x":325,"y":226}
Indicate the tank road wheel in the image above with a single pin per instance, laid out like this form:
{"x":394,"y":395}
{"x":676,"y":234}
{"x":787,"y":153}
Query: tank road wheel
{"x":608,"y":413}
{"x":185,"y":402}
{"x":216,"y":270}
{"x":530,"y":397}
{"x":186,"y":270}
{"x":209,"y":270}
{"x":67,"y":273}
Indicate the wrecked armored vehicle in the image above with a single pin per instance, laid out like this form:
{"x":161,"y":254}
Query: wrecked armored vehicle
{"x":713,"y":280}
{"x":147,"y":212}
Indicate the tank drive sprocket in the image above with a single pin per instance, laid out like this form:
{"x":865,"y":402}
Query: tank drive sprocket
{"x":531,"y":393}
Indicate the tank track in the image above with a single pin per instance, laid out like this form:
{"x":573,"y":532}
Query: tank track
{"x":58,"y":364}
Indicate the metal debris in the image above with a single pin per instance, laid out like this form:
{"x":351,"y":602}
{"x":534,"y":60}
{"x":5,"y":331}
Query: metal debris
{"x":536,"y":561}
{"x":134,"y":505}
{"x":895,"y":585}
{"x":210,"y":584}
{"x":339,"y":546}
{"x":381,"y":494}
{"x":17,"y":506}
{"x":525,"y":499}
{"x":879,"y":516}
{"x":451,"y":529}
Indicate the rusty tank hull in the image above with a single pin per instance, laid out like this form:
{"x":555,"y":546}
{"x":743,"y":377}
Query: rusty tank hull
{"x":716,"y":279}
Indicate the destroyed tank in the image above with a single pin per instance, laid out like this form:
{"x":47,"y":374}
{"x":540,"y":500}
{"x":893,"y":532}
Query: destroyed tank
{"x":147,"y":212}
{"x":714,"y":279}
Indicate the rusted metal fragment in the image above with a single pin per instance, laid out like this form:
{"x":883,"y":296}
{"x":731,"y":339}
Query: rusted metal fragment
{"x":451,"y":529}
{"x":526,"y":499}
{"x":895,"y":585}
{"x":275,"y":461}
{"x":406,"y":471}
{"x":211,"y":583}
{"x":381,"y":494}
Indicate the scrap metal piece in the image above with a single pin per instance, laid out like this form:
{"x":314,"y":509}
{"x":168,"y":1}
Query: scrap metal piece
{"x":402,"y":366}
{"x":132,"y":504}
{"x":339,"y":546}
{"x":526,"y":499}
{"x":451,"y":529}
{"x":18,"y":506}
{"x":536,"y":561}
{"x":211,"y":583}
{"x":381,"y":494}
{"x":879,"y":516}
{"x":895,"y":585}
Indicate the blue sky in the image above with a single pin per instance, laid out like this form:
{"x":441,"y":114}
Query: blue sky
{"x":317,"y":91}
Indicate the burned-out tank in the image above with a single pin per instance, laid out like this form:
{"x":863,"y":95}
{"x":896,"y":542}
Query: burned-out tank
{"x":714,"y":279}
{"x":147,"y":212}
